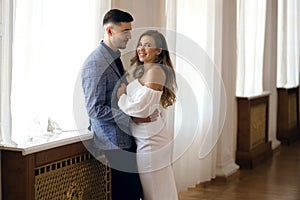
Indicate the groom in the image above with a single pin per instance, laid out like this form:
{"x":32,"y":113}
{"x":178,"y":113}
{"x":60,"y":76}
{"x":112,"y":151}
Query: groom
{"x":100,"y":74}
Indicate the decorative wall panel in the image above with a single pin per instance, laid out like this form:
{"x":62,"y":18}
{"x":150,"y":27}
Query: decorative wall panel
{"x":288,"y":129}
{"x":80,"y":177}
{"x":65,"y":172}
{"x":253,"y":145}
{"x":292,"y":111}
{"x":258,"y":125}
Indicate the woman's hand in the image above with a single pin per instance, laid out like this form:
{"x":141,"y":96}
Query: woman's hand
{"x":121,"y":90}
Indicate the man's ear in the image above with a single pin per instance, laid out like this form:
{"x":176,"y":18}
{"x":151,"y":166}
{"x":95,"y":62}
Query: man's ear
{"x":108,"y":30}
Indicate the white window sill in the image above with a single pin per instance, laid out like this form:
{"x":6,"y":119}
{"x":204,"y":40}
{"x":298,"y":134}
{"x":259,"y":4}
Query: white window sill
{"x":48,"y":142}
{"x":263,"y":94}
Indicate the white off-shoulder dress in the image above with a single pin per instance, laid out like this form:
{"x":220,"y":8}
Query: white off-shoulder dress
{"x":154,"y":142}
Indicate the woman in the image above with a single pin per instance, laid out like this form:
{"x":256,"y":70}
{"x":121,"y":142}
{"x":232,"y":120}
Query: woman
{"x":153,"y":88}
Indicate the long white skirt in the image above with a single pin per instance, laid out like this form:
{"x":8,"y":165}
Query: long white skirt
{"x":155,"y":166}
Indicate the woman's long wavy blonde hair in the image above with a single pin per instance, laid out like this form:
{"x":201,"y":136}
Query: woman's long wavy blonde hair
{"x":168,"y":97}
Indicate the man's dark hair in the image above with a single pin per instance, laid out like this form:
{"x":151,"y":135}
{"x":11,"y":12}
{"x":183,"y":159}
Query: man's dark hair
{"x":116,"y":16}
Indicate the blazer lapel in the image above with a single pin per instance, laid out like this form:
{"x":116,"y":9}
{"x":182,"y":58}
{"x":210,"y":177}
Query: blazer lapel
{"x":110,"y":61}
{"x":115,"y":68}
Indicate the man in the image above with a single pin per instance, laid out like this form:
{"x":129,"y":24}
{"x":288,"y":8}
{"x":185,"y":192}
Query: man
{"x":100,"y":78}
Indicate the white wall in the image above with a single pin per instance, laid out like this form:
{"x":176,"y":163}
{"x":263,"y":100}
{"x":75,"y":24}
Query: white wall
{"x":146,"y":13}
{"x":270,"y":62}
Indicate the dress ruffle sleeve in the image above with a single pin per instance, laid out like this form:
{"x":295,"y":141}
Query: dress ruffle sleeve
{"x":141,"y":103}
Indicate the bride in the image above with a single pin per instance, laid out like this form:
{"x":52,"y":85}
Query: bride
{"x":152,"y":89}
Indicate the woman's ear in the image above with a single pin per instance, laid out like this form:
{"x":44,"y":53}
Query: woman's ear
{"x":159,"y":51}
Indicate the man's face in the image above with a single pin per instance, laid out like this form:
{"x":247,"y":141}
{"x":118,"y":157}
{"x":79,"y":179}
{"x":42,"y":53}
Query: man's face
{"x":120,"y":34}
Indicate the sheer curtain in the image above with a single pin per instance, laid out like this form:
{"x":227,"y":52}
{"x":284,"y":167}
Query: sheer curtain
{"x":251,"y":19}
{"x":5,"y":70}
{"x":288,"y":40}
{"x":199,"y":116}
{"x":51,"y":40}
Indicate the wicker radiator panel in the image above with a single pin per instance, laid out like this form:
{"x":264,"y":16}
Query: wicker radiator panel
{"x":292,"y":111}
{"x":77,"y":178}
{"x":258,"y":125}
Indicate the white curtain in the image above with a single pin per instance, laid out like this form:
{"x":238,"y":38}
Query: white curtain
{"x":251,"y":19}
{"x":5,"y":71}
{"x":288,"y":41}
{"x":199,"y":115}
{"x":52,"y":38}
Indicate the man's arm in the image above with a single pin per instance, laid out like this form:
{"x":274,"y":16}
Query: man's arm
{"x":151,"y":118}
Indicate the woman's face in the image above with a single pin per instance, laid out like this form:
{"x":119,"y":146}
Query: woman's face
{"x":147,"y":50}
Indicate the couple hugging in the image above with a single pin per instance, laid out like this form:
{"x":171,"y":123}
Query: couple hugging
{"x":125,"y":115}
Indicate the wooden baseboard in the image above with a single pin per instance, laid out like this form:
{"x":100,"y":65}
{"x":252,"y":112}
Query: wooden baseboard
{"x":277,"y":149}
{"x":225,"y":179}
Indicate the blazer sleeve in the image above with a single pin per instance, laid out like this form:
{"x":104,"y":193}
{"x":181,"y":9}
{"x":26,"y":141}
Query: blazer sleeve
{"x":97,"y":80}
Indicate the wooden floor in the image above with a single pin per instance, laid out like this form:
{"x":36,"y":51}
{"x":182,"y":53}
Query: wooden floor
{"x":276,"y":179}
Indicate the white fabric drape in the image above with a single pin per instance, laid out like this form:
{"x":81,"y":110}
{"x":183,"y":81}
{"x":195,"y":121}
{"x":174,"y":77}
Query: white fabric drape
{"x":288,"y":41}
{"x":52,"y":38}
{"x":5,"y":71}
{"x":251,"y":19}
{"x":200,"y":94}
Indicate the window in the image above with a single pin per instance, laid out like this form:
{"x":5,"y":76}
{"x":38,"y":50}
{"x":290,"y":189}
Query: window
{"x":288,"y":43}
{"x":51,"y":40}
{"x":251,"y":19}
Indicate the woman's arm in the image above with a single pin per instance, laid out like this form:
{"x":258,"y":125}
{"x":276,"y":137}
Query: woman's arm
{"x":151,"y":118}
{"x":147,"y":98}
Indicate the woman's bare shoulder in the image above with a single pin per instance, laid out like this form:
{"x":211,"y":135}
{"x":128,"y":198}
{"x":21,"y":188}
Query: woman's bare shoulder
{"x":155,"y":77}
